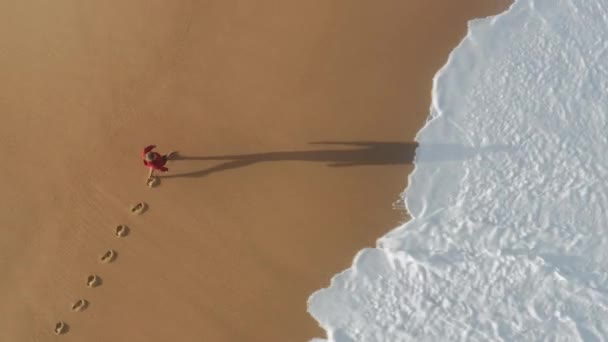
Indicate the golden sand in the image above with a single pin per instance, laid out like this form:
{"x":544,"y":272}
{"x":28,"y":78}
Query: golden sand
{"x":294,"y":122}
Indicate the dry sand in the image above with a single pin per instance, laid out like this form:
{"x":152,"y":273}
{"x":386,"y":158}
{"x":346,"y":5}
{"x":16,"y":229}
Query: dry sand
{"x":229,"y":248}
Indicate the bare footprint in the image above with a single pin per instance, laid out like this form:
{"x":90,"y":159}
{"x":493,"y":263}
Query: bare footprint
{"x":80,"y":305}
{"x":61,"y":328}
{"x":122,"y":230}
{"x":93,"y":280}
{"x":138,"y":208}
{"x":108,"y":256}
{"x":154,"y":181}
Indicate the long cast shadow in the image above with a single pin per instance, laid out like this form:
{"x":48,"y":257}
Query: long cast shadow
{"x":365,"y":153}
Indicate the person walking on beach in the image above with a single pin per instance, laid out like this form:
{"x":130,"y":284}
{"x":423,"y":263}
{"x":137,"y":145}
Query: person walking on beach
{"x":154,"y":161}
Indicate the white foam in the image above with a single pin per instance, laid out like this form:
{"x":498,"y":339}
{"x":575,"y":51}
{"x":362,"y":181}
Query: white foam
{"x":509,"y":197}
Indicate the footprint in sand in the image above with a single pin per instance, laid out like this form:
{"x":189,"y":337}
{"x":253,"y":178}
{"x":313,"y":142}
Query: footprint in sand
{"x":122,"y":230}
{"x":108,"y":256}
{"x":154,"y":181}
{"x":93,"y":280}
{"x":138,"y":208}
{"x":80,"y":305}
{"x":61,"y":328}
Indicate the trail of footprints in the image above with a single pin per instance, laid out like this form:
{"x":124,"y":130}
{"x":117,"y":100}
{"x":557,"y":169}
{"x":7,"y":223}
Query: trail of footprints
{"x":94,"y":280}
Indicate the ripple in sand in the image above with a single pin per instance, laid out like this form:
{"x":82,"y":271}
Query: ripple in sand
{"x":138,"y":208}
{"x":108,"y":256}
{"x":93,"y":280}
{"x":80,"y":305}
{"x":122,"y":230}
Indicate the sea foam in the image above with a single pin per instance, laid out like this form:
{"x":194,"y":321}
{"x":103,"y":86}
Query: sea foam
{"x":508,"y":199}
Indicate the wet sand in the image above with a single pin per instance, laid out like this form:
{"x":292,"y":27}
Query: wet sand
{"x":294,"y":122}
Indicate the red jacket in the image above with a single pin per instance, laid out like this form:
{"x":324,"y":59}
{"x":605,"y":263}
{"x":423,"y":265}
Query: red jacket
{"x":158,"y":163}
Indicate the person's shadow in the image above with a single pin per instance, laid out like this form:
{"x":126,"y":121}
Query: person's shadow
{"x":365,"y":153}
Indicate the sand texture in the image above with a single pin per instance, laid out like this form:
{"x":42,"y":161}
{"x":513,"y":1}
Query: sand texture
{"x":294,"y":122}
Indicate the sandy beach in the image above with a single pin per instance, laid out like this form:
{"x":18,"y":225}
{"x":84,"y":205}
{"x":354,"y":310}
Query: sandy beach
{"x":294,"y":123}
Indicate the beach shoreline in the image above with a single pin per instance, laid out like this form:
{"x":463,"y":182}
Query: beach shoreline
{"x":295,"y":125}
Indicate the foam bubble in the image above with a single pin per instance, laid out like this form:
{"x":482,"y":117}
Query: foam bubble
{"x":507,"y":239}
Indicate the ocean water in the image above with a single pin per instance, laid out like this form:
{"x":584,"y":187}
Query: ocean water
{"x":508,"y":239}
